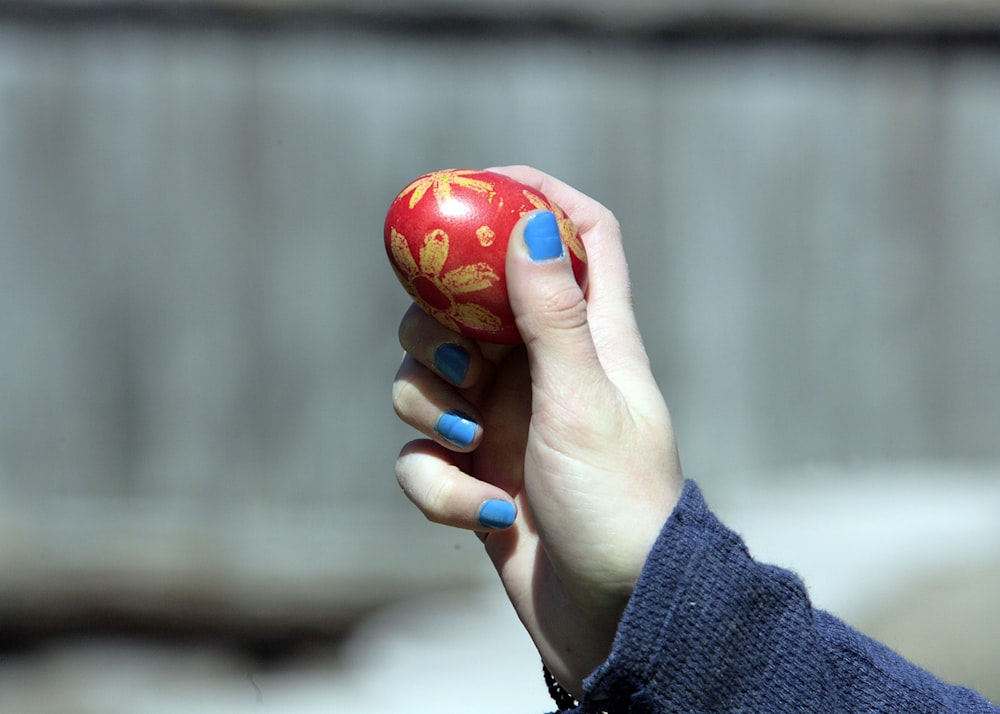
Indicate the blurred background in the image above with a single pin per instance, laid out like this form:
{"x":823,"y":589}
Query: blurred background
{"x":197,"y":324}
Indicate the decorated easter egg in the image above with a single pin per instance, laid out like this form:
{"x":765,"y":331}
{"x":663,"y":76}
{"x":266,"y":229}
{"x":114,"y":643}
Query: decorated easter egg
{"x":446,"y":237}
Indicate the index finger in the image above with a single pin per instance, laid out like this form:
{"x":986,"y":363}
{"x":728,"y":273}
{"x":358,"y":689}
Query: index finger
{"x":584,"y":211}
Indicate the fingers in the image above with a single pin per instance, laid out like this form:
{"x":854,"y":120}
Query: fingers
{"x":585,"y":211}
{"x":452,"y":356}
{"x":432,"y":478}
{"x":550,"y":309}
{"x":441,"y":378}
{"x":610,"y":311}
{"x":424,"y":401}
{"x":423,"y":393}
{"x":428,"y":395}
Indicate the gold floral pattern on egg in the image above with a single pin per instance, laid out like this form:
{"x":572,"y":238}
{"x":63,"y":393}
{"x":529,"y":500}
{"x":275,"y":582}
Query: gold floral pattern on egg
{"x":440,"y":184}
{"x":435,"y":290}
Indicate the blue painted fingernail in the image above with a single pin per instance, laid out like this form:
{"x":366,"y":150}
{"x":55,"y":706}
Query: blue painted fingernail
{"x":541,"y":235}
{"x":452,"y":361}
{"x":497,"y":514}
{"x":456,"y":428}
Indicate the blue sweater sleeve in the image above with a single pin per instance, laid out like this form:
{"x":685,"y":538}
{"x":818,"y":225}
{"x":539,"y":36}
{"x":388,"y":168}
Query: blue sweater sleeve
{"x":708,"y":629}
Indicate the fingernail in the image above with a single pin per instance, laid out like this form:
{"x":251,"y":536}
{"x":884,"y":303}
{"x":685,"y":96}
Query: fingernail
{"x":541,"y":235}
{"x":497,"y":514}
{"x":456,"y":428}
{"x":452,"y":361}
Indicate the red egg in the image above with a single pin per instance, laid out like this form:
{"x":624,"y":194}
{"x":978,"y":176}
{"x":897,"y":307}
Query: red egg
{"x":446,"y":236}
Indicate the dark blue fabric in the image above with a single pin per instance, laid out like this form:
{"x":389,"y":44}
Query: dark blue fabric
{"x":708,"y":629}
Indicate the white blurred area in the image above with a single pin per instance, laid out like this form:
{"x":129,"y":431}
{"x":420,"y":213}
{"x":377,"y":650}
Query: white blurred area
{"x":860,"y":537}
{"x":862,"y":540}
{"x":450,"y":652}
{"x":197,"y":329}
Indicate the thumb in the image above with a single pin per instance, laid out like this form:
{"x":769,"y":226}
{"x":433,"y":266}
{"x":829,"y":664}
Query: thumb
{"x":550,"y":308}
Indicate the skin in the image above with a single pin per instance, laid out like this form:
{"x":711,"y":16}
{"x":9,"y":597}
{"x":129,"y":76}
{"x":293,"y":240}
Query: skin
{"x":572,"y":429}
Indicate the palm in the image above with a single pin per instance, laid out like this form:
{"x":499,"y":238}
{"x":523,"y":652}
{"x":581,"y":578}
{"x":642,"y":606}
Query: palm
{"x":562,"y":616}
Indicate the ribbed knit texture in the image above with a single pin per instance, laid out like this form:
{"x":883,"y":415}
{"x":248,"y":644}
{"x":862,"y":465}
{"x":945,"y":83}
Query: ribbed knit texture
{"x":708,"y":629}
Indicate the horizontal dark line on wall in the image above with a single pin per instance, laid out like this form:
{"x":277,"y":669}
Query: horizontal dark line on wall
{"x":730,"y":27}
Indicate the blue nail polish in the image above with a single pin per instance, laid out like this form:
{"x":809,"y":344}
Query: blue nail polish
{"x":497,"y":514}
{"x":541,"y":235}
{"x":456,"y":428}
{"x":452,"y":361}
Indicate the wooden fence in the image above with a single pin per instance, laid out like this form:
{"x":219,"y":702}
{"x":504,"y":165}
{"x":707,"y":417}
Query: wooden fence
{"x":196,"y":315}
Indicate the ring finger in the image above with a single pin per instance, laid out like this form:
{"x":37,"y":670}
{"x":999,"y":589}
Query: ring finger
{"x":427,"y":403}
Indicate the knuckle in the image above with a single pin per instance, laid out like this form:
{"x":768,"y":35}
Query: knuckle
{"x":409,"y":329}
{"x":403,"y":392}
{"x":404,"y":469}
{"x":435,"y":499}
{"x":610,"y":220}
{"x":564,"y":308}
{"x":431,"y":492}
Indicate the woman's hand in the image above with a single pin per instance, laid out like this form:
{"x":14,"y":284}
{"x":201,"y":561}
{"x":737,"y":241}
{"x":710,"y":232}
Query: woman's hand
{"x":560,"y":452}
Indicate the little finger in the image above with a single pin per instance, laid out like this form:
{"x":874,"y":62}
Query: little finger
{"x":431,"y":479}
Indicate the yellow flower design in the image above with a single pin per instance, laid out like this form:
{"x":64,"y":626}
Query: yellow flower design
{"x":435,"y":292}
{"x":566,"y":226}
{"x":440,"y":184}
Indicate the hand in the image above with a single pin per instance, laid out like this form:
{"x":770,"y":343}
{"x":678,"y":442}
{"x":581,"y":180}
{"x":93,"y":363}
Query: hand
{"x":569,"y":429}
